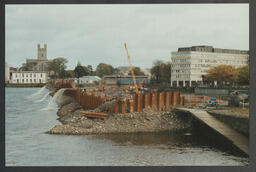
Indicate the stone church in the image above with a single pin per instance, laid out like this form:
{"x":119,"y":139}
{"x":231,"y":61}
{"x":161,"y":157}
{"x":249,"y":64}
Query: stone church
{"x":39,"y":64}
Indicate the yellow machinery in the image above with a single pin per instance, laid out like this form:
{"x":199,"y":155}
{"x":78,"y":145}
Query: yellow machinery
{"x":132,"y":72}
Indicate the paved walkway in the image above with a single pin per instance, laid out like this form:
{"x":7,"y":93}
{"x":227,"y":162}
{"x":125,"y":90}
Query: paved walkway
{"x":236,"y":138}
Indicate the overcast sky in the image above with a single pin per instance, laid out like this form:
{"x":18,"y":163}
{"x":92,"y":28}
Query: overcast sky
{"x":96,"y":33}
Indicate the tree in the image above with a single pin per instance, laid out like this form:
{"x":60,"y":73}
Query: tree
{"x":243,"y":75}
{"x":66,"y":74}
{"x":166,"y":70}
{"x":81,"y":70}
{"x":57,"y":65}
{"x":104,"y":69}
{"x":137,"y":71}
{"x":27,"y":66}
{"x":222,"y":73}
{"x":161,"y":72}
{"x":90,"y":70}
{"x":156,"y":71}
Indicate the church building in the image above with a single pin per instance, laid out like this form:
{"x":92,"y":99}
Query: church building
{"x":39,"y":64}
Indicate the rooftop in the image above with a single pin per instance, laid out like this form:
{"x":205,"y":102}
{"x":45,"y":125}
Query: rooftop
{"x":205,"y":48}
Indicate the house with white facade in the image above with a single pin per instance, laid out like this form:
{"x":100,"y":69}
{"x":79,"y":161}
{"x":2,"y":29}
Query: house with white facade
{"x":88,"y":79}
{"x":28,"y":77}
{"x":190,"y":64}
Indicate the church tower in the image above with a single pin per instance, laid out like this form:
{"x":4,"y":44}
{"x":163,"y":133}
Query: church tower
{"x":41,"y":52}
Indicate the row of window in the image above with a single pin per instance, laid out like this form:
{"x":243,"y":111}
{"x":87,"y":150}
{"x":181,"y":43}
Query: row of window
{"x":23,"y":81}
{"x":244,"y":62}
{"x":23,"y":75}
{"x":180,"y":65}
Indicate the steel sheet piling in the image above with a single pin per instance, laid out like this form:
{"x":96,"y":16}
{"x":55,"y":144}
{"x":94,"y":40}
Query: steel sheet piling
{"x":139,"y":102}
{"x":167,"y":100}
{"x":175,"y":98}
{"x":116,"y":110}
{"x":131,"y":105}
{"x":160,"y":101}
{"x":154,"y":101}
{"x":146,"y":100}
{"x":123,"y":103}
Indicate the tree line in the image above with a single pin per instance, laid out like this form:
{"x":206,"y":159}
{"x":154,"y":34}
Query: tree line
{"x":58,"y":69}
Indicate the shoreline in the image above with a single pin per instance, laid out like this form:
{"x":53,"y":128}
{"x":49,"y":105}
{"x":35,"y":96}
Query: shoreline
{"x":75,"y":123}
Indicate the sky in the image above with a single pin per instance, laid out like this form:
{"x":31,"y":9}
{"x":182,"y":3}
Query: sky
{"x":94,"y":34}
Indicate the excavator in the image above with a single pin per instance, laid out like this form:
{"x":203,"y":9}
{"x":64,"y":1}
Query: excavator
{"x":131,"y":69}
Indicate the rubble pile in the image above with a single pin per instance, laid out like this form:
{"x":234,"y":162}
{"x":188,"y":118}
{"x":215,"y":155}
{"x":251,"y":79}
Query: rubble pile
{"x":75,"y":123}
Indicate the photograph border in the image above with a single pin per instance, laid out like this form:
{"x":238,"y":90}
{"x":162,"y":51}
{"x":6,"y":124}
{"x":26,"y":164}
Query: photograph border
{"x":252,"y":90}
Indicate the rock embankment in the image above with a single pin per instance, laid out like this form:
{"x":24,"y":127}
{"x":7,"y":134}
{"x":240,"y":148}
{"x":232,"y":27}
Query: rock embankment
{"x":75,"y":123}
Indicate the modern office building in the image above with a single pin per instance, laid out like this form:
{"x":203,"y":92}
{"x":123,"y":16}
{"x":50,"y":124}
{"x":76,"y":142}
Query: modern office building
{"x":190,"y":64}
{"x":28,"y":77}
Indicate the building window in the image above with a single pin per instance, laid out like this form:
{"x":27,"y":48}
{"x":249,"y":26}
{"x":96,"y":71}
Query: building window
{"x":31,"y":75}
{"x":26,"y":80}
{"x":34,"y":80}
{"x":31,"y":80}
{"x":26,"y":75}
{"x":41,"y":75}
{"x":22,"y":80}
{"x":16,"y":76}
{"x":22,"y":75}
{"x":34,"y":75}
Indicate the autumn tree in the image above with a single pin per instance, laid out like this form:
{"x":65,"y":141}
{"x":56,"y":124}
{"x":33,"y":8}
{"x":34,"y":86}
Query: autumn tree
{"x":243,"y":75}
{"x":222,"y":73}
{"x":104,"y":69}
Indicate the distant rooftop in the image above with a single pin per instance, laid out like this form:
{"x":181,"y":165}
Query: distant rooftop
{"x":204,"y":48}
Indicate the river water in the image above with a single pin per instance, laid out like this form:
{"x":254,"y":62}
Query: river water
{"x":29,"y":114}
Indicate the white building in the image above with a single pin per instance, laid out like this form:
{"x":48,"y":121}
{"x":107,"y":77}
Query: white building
{"x":28,"y":77}
{"x":7,"y":73}
{"x":88,"y":79}
{"x":190,"y":64}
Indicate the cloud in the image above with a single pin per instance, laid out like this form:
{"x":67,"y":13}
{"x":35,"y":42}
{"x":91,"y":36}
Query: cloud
{"x":96,"y":33}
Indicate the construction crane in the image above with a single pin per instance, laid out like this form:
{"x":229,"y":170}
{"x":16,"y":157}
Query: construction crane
{"x":131,"y":69}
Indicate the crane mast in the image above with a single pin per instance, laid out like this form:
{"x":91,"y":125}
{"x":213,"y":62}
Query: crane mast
{"x":131,"y":69}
